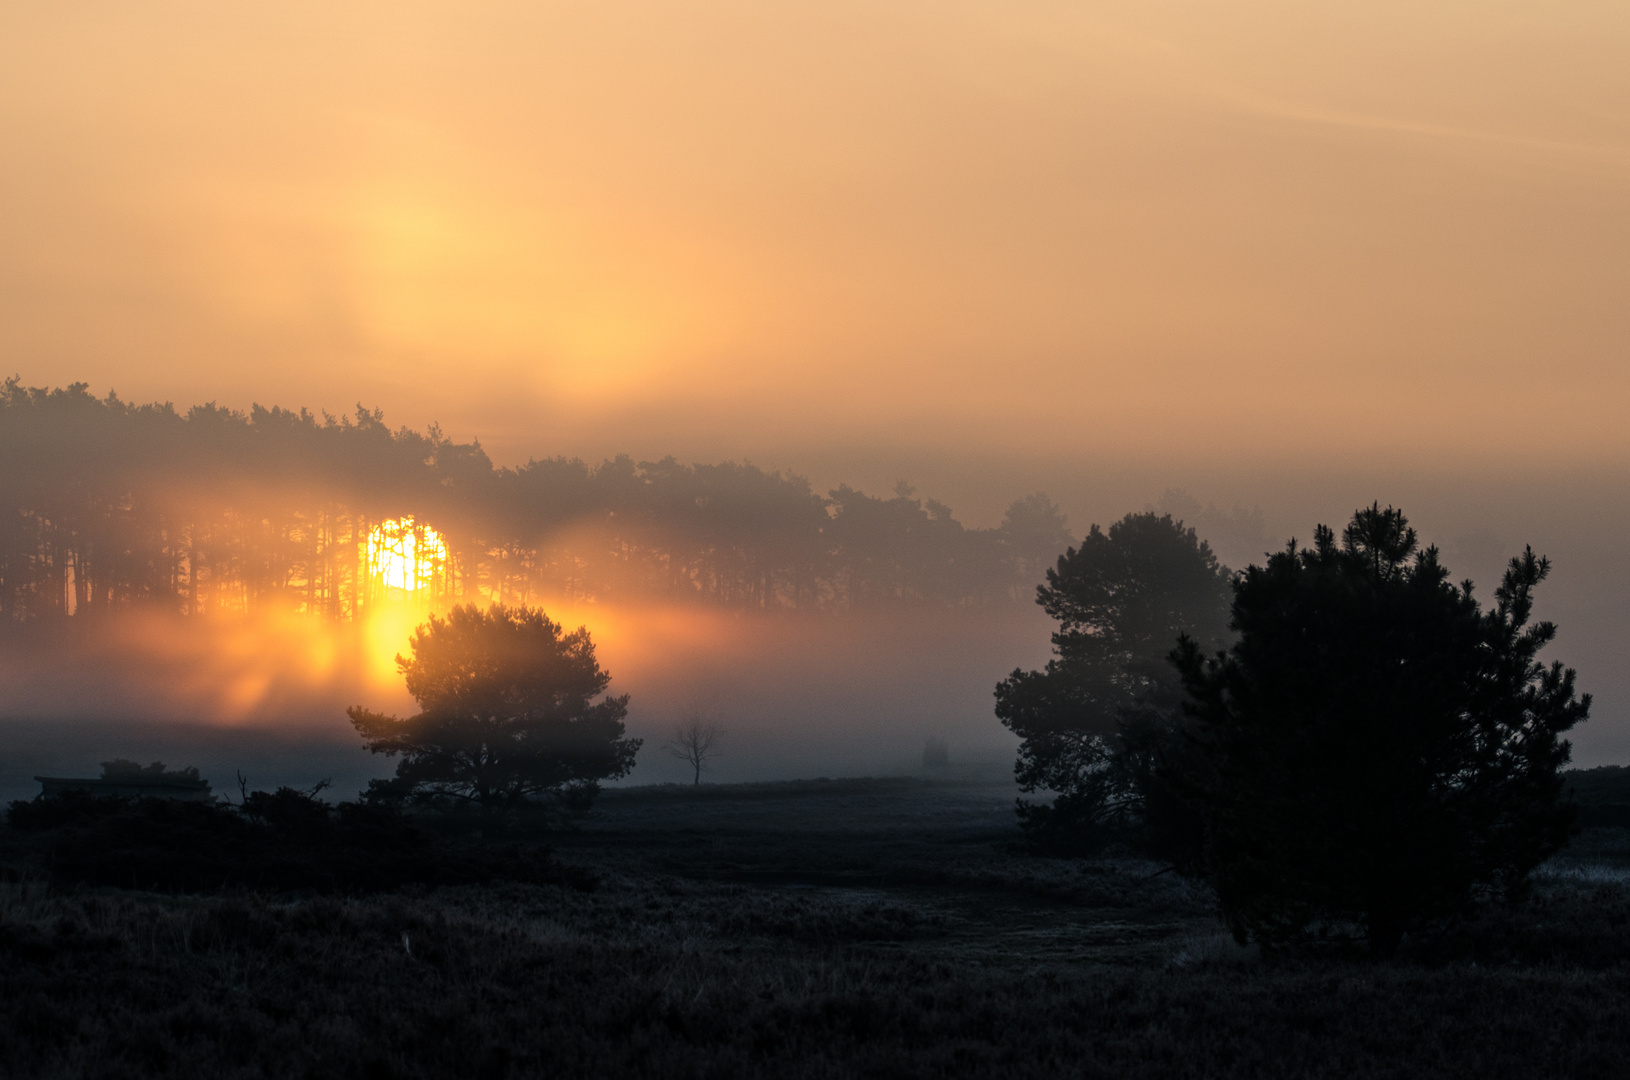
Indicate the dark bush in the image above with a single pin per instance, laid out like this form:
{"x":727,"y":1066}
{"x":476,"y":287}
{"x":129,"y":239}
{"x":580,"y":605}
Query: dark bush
{"x":158,"y":844}
{"x":289,"y":812}
{"x":69,"y":808}
{"x":1602,"y":795}
{"x":280,"y":840}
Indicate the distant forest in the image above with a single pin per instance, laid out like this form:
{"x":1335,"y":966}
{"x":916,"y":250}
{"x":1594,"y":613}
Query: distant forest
{"x":106,"y":504}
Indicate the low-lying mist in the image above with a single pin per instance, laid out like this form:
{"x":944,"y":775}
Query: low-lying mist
{"x":214,"y":588}
{"x":829,"y":694}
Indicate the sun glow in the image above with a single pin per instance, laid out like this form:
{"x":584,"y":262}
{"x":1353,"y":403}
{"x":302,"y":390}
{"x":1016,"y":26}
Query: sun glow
{"x":404,"y":554}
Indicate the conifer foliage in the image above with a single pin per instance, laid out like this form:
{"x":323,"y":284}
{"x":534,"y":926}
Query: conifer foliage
{"x":107,"y":505}
{"x":508,"y":716}
{"x":1103,"y":710}
{"x":1381,"y":750}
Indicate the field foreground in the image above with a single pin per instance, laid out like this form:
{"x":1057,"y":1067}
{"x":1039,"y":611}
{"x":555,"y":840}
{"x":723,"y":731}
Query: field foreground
{"x":812,"y":929}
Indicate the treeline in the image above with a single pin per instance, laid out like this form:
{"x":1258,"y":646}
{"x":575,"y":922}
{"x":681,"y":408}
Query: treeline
{"x":106,"y":504}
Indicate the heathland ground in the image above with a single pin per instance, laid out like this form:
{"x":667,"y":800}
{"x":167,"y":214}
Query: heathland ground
{"x":810,"y":929}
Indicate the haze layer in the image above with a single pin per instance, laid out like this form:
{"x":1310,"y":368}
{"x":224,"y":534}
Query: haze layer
{"x":1152,"y":230}
{"x":1293,"y":256}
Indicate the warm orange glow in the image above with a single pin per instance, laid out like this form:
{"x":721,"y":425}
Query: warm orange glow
{"x":229,"y":668}
{"x":387,"y":628}
{"x":409,"y":559}
{"x":407,"y":555}
{"x":1301,"y":255}
{"x":717,"y":231}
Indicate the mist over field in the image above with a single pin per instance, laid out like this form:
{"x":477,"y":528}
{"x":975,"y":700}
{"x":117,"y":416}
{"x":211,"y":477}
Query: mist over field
{"x":1255,"y":266}
{"x":798,"y":697}
{"x":845,"y":672}
{"x":239,"y":580}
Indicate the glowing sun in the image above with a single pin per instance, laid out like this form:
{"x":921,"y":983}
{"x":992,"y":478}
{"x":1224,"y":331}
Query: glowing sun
{"x":404,"y":554}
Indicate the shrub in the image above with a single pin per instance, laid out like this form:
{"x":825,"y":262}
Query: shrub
{"x":280,"y":840}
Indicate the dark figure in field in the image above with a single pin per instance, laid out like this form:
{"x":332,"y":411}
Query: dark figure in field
{"x":1379,"y":748}
{"x":508,"y":716}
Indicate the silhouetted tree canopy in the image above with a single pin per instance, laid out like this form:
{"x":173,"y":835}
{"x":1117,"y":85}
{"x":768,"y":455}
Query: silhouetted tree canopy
{"x":1380,"y":747}
{"x":285,"y":839}
{"x":1122,"y":599}
{"x":105,"y":504}
{"x":509,"y":713}
{"x":123,"y":767}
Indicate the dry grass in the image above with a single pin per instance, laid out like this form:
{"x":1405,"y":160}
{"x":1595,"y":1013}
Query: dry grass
{"x":801,"y":936}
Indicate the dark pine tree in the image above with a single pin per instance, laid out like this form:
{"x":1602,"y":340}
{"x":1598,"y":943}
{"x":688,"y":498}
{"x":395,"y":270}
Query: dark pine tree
{"x":508,"y":716}
{"x":1380,"y":749}
{"x":1102,"y":713}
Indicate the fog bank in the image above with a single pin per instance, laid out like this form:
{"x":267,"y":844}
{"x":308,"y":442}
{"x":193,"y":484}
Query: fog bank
{"x":834,"y":695}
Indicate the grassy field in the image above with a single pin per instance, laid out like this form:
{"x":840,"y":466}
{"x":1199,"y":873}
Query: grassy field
{"x":815,"y":929}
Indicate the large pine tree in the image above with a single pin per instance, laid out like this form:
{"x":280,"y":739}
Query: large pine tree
{"x":1099,"y":715}
{"x":509,"y":714}
{"x":1380,"y":748}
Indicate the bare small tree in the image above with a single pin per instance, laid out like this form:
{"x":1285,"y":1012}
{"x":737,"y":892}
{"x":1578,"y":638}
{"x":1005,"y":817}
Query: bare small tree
{"x":695,"y":740}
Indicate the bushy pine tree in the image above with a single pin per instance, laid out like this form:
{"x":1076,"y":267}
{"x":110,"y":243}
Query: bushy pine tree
{"x":1100,"y":718}
{"x":1380,"y":749}
{"x":508,"y":714}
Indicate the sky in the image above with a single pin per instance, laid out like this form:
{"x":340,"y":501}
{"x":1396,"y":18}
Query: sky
{"x":1298,"y":256}
{"x":1030,"y":229}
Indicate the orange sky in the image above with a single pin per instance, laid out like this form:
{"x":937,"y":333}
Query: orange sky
{"x":1298,"y":254}
{"x":725,"y":229}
